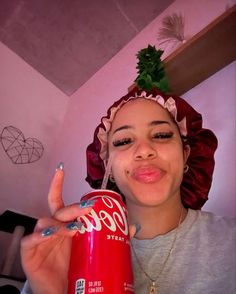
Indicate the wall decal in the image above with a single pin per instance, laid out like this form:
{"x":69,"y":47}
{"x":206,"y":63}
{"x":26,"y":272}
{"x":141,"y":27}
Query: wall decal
{"x":19,"y":149}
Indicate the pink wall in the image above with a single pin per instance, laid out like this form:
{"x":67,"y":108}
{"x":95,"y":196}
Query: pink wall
{"x":65,"y":126}
{"x":33,"y":104}
{"x":215,"y":100}
{"x":90,"y":102}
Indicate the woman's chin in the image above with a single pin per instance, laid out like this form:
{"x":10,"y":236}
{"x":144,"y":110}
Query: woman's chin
{"x":147,"y":197}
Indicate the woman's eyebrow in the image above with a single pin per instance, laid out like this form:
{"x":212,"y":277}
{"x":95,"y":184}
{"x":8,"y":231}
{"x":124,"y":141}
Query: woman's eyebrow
{"x":158,"y":122}
{"x":152,"y":123}
{"x":125,"y":127}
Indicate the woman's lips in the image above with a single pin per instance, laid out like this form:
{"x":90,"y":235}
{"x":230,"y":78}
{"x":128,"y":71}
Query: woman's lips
{"x":147,"y":174}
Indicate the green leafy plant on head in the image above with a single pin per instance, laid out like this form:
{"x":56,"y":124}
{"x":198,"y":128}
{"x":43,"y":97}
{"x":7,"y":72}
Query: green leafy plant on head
{"x":151,"y":71}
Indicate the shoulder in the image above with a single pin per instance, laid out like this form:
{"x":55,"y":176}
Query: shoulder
{"x":208,"y":243}
{"x":211,"y":219}
{"x":212,"y":225}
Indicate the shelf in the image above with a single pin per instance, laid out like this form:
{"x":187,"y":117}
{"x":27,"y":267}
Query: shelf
{"x":203,"y":55}
{"x":207,"y":52}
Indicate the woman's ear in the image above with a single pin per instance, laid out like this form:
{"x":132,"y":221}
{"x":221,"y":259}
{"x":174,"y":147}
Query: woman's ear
{"x":187,"y":151}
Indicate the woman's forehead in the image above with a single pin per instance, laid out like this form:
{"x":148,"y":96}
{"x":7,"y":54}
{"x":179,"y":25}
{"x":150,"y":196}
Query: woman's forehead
{"x":141,"y":109}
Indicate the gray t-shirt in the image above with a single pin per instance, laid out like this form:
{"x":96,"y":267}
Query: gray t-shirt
{"x":203,"y":259}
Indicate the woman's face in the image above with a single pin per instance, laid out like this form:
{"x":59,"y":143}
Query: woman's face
{"x":148,"y":156}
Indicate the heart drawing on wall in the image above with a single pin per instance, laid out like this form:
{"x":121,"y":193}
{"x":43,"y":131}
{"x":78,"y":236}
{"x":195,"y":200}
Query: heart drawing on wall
{"x":19,"y":149}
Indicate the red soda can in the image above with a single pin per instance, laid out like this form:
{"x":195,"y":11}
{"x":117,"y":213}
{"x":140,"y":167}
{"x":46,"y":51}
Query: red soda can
{"x":100,"y":255}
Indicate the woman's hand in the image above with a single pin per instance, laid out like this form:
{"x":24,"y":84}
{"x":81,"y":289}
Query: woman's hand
{"x":46,"y":252}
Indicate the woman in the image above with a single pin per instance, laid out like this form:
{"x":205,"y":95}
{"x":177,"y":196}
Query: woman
{"x":162,"y":163}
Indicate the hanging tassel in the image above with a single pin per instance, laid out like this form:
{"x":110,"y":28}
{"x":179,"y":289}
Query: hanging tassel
{"x":172,"y":30}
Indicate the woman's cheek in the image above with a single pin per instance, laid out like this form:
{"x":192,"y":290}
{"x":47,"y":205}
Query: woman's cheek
{"x":120,"y":163}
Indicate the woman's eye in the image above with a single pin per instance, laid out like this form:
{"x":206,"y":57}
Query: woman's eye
{"x":163,"y":135}
{"x":121,"y":142}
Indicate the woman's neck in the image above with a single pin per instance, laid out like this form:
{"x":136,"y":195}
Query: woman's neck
{"x":156,"y":220}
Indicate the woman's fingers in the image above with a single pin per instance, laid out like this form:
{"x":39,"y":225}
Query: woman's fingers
{"x":71,"y":212}
{"x":52,"y":231}
{"x":134,"y":230}
{"x":65,"y":215}
{"x":56,"y":204}
{"x":45,"y":222}
{"x":55,"y":201}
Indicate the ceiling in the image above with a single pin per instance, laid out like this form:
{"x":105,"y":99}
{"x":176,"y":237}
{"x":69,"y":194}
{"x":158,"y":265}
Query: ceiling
{"x":69,"y":41}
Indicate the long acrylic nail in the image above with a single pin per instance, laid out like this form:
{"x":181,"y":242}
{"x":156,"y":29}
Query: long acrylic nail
{"x":49,"y":231}
{"x":74,"y":226}
{"x":138,"y":228}
{"x":60,"y":166}
{"x":87,"y":203}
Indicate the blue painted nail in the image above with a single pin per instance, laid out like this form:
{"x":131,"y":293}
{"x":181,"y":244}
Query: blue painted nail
{"x":60,"y":166}
{"x":49,"y":231}
{"x":138,"y":228}
{"x":74,"y":226}
{"x":87,"y":203}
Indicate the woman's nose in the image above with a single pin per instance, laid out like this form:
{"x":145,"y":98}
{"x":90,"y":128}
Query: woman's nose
{"x":145,"y":151}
